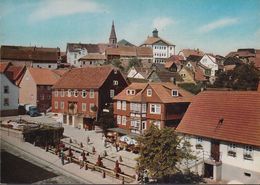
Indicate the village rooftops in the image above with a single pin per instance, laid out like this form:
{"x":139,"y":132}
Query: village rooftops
{"x":129,"y":51}
{"x":136,"y":92}
{"x":34,"y":54}
{"x":87,"y":77}
{"x":91,"y":48}
{"x":154,"y":40}
{"x":192,"y":52}
{"x":232,"y":116}
{"x":43,"y":76}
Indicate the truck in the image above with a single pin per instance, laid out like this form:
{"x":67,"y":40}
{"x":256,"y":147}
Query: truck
{"x":31,"y":110}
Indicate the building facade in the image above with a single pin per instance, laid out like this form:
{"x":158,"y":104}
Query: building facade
{"x":161,"y":49}
{"x":225,"y":141}
{"x":140,"y":105}
{"x":80,"y":96}
{"x":9,"y":96}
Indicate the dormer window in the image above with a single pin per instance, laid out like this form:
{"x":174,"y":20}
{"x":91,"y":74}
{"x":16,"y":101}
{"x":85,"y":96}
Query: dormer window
{"x":130,"y":92}
{"x":149,"y":92}
{"x":115,"y":82}
{"x":175,"y":93}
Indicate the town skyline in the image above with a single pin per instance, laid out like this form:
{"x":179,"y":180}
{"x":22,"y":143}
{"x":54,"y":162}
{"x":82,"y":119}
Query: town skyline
{"x":43,"y":24}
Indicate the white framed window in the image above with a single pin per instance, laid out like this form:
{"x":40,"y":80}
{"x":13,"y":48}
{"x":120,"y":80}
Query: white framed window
{"x":118,"y":119}
{"x":248,"y":152}
{"x":91,"y":105}
{"x":123,"y":120}
{"x":56,"y":105}
{"x":157,"y":123}
{"x":149,"y":92}
{"x":118,"y":105}
{"x":69,"y":93}
{"x":155,"y":109}
{"x":62,"y":93}
{"x":61,"y":105}
{"x":76,"y":93}
{"x":175,"y":93}
{"x":123,"y":105}
{"x":84,"y":93}
{"x":72,"y":93}
{"x":56,"y":93}
{"x":231,"y":150}
{"x":115,"y":82}
{"x":84,"y":106}
{"x":112,"y":93}
{"x":144,"y":108}
{"x":91,"y":93}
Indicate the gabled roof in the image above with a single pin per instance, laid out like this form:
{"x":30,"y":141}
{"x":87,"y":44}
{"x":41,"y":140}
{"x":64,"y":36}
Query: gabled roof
{"x":14,"y":73}
{"x":154,"y":40}
{"x":239,"y":110}
{"x":43,"y":76}
{"x":124,"y":42}
{"x":86,"y":77}
{"x":4,"y":66}
{"x":145,"y":72}
{"x":162,"y":93}
{"x":192,"y":52}
{"x":174,"y":59}
{"x":130,"y":51}
{"x":91,"y":48}
{"x":35,"y":54}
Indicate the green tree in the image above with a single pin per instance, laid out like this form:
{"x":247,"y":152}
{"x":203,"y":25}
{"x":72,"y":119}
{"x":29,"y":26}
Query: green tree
{"x":243,"y":77}
{"x":161,"y":151}
{"x":134,"y":62}
{"x":117,"y":63}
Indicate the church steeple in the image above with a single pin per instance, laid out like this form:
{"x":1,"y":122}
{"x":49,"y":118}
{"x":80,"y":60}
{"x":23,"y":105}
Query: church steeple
{"x":112,"y":38}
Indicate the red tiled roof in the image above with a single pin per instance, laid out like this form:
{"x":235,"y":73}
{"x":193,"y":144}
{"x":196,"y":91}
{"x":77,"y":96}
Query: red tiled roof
{"x":87,"y":77}
{"x":130,"y":51}
{"x":240,"y":112}
{"x":43,"y":76}
{"x":192,"y":52}
{"x":3,"y":66}
{"x":93,"y":56}
{"x":14,"y":73}
{"x":174,"y":59}
{"x":162,"y":91}
{"x":30,"y":53}
{"x":153,"y":40}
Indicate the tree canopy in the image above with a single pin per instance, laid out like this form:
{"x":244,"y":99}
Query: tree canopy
{"x":243,"y":77}
{"x":161,"y":151}
{"x":134,"y":62}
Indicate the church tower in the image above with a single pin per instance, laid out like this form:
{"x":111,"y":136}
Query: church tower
{"x":112,"y":38}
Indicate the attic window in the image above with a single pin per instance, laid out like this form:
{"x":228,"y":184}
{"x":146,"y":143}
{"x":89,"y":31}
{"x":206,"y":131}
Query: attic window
{"x":130,"y":92}
{"x":149,"y":92}
{"x":175,"y":93}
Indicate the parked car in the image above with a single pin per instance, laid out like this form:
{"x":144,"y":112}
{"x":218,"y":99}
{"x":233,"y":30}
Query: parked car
{"x":33,"y":111}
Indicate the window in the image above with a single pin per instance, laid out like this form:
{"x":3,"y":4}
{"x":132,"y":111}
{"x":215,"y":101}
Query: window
{"x":130,"y":92}
{"x":143,"y":108}
{"x":61,"y":105}
{"x":75,"y":55}
{"x":248,"y":152}
{"x":62,"y":93}
{"x":232,"y":150}
{"x":83,"y":93}
{"x":49,"y":66}
{"x":149,"y":92}
{"x":135,"y":107}
{"x":155,"y":109}
{"x":118,"y":105}
{"x":56,"y":93}
{"x":91,"y":106}
{"x":199,"y":140}
{"x":144,"y":125}
{"x":72,"y":93}
{"x":115,"y":82}
{"x":76,"y":93}
{"x":175,"y":93}
{"x":112,"y":93}
{"x":69,"y":93}
{"x":6,"y":89}
{"x":123,"y":105}
{"x":84,"y":106}
{"x":56,"y":105}
{"x":6,"y":102}
{"x":118,"y":119}
{"x":183,"y":75}
{"x":123,"y":120}
{"x":91,"y":93}
{"x":157,"y":123}
{"x":49,"y":97}
{"x":170,"y":48}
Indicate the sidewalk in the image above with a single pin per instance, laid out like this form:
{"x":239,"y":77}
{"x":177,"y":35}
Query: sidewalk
{"x":53,"y":161}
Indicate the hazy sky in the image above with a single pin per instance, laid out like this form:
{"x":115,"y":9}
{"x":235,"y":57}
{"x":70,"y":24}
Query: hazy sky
{"x":217,"y":26}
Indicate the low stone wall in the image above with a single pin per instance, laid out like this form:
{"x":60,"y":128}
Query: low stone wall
{"x":5,"y":113}
{"x":13,"y":133}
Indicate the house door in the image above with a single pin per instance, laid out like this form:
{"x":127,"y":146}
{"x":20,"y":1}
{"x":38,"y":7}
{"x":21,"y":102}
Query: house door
{"x":70,"y":120}
{"x":208,"y":170}
{"x":215,"y":150}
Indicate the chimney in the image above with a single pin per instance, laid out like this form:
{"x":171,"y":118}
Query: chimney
{"x":155,"y":33}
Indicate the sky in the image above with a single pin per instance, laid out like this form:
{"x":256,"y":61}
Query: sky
{"x":215,"y":26}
